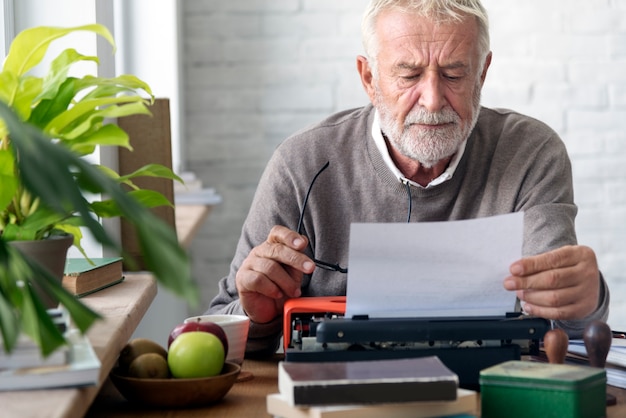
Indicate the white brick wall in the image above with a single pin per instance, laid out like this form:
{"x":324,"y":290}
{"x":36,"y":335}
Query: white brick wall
{"x":257,"y":70}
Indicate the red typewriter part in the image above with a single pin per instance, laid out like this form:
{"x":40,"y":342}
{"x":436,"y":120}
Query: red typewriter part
{"x":305,"y":306}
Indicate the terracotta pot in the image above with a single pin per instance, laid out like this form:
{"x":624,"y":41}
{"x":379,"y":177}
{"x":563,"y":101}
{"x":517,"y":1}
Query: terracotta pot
{"x":51,"y":254}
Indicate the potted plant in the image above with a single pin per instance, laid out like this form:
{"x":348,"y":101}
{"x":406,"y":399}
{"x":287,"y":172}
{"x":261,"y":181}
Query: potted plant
{"x":48,"y":125}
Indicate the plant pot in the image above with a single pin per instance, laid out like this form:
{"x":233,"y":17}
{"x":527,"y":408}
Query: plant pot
{"x":50,"y":253}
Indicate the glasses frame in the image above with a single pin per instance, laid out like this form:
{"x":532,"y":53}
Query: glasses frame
{"x":319,"y":263}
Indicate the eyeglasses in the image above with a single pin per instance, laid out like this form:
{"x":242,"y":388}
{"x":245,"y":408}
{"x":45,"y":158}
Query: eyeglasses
{"x":334,"y":266}
{"x":321,"y":264}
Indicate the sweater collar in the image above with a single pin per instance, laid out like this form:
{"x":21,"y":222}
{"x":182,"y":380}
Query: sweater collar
{"x":377,"y":135}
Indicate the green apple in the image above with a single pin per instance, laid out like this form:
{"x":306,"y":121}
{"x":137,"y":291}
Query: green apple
{"x":196,"y":354}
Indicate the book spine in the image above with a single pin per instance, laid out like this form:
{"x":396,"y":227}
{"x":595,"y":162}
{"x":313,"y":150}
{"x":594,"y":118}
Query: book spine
{"x":368,"y":393}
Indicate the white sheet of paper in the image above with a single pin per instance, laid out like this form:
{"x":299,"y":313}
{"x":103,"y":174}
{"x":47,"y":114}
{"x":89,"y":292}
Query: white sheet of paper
{"x":433,"y":269}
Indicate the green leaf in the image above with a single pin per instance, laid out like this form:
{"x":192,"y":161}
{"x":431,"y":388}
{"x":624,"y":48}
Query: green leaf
{"x":147,"y":198}
{"x":9,"y":319}
{"x":85,"y":109}
{"x":9,"y":323}
{"x":49,"y":108}
{"x":14,"y":232}
{"x":163,"y":255}
{"x":7,"y":179}
{"x":26,"y":51}
{"x":90,"y":120}
{"x":27,"y":89}
{"x":59,"y":69}
{"x":36,"y":323}
{"x":107,"y":135}
{"x":22,"y":311}
{"x":30,"y":46}
{"x":72,"y":227}
{"x":152,"y":170}
{"x":36,"y":224}
{"x":8,"y":85}
{"x":106,"y":87}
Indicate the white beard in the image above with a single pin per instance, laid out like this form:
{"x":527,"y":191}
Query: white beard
{"x":427,"y":146}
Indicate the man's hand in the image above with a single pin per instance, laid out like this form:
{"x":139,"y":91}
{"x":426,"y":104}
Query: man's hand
{"x":560,"y":284}
{"x":272,"y":273}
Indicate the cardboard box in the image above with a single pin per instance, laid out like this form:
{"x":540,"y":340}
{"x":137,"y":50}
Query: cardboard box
{"x":517,"y":389}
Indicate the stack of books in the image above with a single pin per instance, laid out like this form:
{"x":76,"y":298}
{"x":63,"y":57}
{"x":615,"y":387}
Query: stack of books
{"x":397,"y":388}
{"x":615,"y":361}
{"x":73,"y":365}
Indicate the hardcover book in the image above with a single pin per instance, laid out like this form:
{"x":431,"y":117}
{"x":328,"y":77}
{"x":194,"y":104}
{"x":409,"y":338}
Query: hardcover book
{"x":465,"y":403}
{"x":82,"y":369}
{"x":30,"y":356}
{"x":367,"y":382}
{"x":82,"y":278}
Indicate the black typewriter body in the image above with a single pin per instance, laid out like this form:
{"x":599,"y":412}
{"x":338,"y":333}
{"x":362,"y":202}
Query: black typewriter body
{"x":465,"y":345}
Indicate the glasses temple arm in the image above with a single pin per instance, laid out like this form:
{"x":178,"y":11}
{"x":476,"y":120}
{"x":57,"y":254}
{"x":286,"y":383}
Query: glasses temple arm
{"x":306,"y":198}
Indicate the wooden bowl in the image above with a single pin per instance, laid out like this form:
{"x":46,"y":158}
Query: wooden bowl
{"x":175,"y":393}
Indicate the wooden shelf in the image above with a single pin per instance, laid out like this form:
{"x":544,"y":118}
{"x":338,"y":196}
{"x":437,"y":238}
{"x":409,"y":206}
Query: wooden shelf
{"x":189,"y":219}
{"x":122,"y":307}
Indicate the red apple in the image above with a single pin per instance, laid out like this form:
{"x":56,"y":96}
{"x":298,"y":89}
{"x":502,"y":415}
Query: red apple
{"x":210,"y":327}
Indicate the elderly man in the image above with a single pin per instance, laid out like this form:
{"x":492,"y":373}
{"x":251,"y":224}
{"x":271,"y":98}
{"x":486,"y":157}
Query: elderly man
{"x":424,"y":149}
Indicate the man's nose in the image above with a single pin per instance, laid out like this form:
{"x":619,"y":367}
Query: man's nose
{"x":431,"y":95}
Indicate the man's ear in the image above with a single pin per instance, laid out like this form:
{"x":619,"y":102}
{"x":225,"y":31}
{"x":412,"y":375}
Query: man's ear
{"x":367,"y":78}
{"x":486,"y":65}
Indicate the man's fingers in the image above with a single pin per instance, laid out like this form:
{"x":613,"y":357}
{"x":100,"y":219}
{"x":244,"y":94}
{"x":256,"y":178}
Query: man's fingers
{"x":283,"y":235}
{"x":254,"y":280}
{"x":549,"y":298}
{"x":271,"y":273}
{"x":565,"y":267}
{"x":563,"y":304}
{"x":284,"y":246}
{"x":551,"y":279}
{"x":561,"y":257}
{"x":560,"y":284}
{"x":274,"y":271}
{"x":270,"y":253}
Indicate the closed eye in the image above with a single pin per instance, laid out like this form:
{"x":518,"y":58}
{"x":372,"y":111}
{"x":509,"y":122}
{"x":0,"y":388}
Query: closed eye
{"x":411,"y":76}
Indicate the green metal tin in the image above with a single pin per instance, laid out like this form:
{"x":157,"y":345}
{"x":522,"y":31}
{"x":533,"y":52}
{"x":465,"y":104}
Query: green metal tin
{"x":518,"y":389}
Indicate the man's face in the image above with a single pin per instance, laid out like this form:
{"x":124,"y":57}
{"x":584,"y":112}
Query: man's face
{"x":427,"y":88}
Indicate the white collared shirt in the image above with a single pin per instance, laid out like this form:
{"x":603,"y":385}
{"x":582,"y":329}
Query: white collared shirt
{"x":382,"y":147}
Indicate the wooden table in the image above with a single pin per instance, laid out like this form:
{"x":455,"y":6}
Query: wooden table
{"x":245,"y":399}
{"x":122,"y":307}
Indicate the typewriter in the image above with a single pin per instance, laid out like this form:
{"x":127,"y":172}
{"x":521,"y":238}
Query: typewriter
{"x":316,"y":329}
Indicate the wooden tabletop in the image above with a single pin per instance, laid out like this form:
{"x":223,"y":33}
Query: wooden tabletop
{"x":122,"y":307}
{"x":245,"y":399}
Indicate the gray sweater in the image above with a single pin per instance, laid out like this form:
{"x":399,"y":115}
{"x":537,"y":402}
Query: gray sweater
{"x":511,"y":163}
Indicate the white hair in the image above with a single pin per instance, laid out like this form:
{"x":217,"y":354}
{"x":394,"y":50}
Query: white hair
{"x":442,"y":11}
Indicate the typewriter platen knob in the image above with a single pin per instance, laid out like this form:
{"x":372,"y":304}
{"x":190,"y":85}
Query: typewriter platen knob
{"x":597,"y":338}
{"x":555,"y":343}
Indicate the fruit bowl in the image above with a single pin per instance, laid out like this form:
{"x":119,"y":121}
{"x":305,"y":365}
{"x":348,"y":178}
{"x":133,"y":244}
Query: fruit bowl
{"x":175,"y":393}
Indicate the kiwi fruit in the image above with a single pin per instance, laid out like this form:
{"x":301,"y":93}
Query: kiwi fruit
{"x":149,"y":366}
{"x":135,"y":348}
